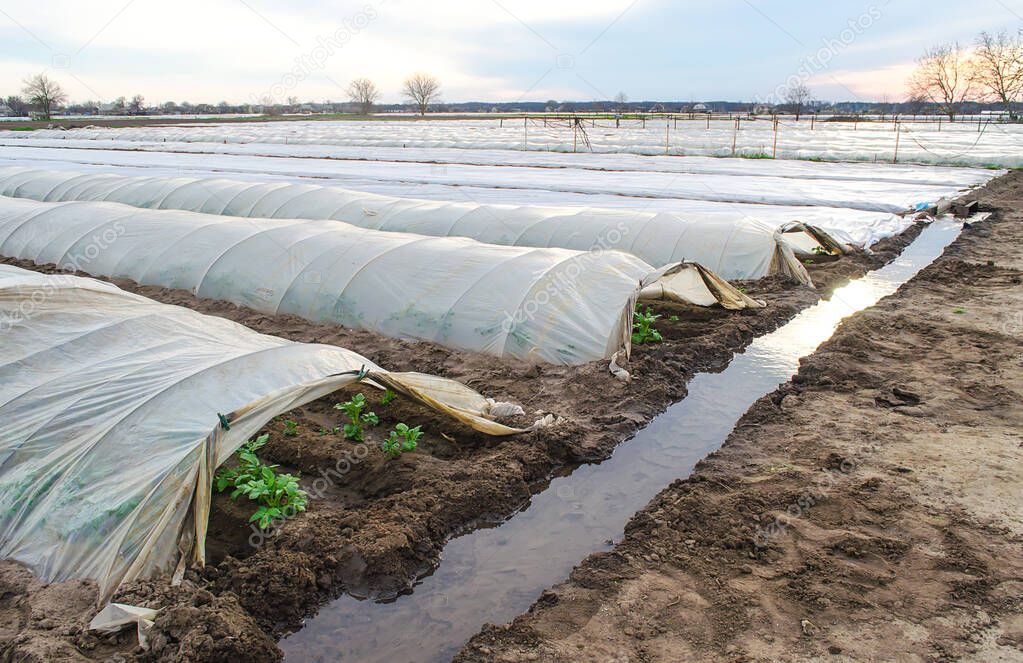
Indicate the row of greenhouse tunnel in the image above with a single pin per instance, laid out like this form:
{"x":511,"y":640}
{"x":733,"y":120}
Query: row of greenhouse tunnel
{"x":116,"y":410}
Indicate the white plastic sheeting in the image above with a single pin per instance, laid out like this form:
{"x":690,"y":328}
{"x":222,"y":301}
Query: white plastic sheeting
{"x":734,"y":248}
{"x":868,"y":195}
{"x":110,"y":427}
{"x":857,"y":227}
{"x":964,"y":143}
{"x":110,"y":139}
{"x":554,"y":305}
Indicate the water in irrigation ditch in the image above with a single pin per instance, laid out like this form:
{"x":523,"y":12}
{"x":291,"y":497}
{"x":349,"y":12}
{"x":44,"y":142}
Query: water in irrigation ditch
{"x":492,"y":575}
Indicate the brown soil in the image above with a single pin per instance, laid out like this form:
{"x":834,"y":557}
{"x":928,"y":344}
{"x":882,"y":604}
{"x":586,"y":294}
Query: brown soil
{"x":870,"y":510}
{"x":374,"y":525}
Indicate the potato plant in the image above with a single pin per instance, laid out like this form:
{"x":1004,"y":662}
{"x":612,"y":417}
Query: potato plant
{"x":278,"y":495}
{"x":643,"y":327}
{"x":401,"y":439}
{"x":357,"y":418}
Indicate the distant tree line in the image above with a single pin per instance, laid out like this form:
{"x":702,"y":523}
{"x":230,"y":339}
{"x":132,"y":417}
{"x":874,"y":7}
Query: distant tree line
{"x":41,"y":96}
{"x":948,"y":80}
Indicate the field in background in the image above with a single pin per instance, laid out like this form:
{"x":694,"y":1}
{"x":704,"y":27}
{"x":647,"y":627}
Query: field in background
{"x":970,"y":141}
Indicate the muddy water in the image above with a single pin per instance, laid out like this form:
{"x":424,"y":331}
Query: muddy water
{"x":491,"y":575}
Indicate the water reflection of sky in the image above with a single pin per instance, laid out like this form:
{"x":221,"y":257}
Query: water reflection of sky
{"x":494,"y":574}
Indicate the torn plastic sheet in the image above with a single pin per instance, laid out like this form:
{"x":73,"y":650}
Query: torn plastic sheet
{"x":116,"y":616}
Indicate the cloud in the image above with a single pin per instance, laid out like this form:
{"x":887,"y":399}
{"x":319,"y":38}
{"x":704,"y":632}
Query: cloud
{"x":867,"y":84}
{"x":236,"y":50}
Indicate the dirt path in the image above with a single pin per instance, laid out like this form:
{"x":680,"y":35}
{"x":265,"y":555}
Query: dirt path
{"x":871,"y":509}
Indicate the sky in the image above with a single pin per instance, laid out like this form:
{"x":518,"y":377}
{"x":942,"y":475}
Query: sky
{"x":246,"y":51}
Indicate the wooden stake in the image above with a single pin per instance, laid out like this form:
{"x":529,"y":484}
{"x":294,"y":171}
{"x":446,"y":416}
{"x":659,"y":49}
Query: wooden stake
{"x":775,"y":155}
{"x":735,"y":135}
{"x":895,"y":159}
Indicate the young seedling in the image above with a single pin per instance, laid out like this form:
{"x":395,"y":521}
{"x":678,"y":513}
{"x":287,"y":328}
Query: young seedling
{"x":290,"y":428}
{"x":388,"y":397}
{"x":401,"y":439}
{"x":673,"y":318}
{"x":643,"y":327}
{"x":248,"y":465}
{"x":354,"y":409}
{"x":391,"y":446}
{"x":959,"y":310}
{"x":821,"y":251}
{"x":278,"y":494}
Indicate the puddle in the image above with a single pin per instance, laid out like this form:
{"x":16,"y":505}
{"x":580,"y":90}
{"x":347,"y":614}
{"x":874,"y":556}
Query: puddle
{"x":492,"y":575}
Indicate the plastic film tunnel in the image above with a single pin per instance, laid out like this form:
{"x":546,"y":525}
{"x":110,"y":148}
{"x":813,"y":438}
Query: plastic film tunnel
{"x":554,"y":305}
{"x":734,"y":247}
{"x":109,"y":420}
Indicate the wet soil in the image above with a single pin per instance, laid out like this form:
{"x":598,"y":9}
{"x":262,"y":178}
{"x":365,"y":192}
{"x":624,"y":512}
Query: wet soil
{"x":375,"y":524}
{"x":869,"y":510}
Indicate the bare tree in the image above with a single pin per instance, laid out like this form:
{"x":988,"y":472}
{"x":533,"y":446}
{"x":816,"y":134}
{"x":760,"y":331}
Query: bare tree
{"x":421,"y":89}
{"x":944,"y":76}
{"x":621,"y":101}
{"x":915,"y":104}
{"x":797,"y":96}
{"x":17,"y":105}
{"x":44,"y":93}
{"x":999,"y":68}
{"x":270,"y":107}
{"x":885,"y":105}
{"x":135,"y":106}
{"x":363,"y":93}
